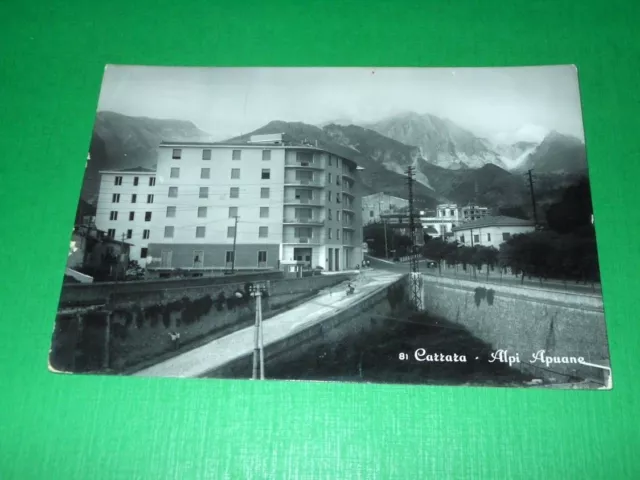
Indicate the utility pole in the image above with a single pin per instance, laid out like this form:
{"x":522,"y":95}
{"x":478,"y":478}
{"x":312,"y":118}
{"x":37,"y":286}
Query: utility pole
{"x":415,"y":278}
{"x":258,"y":346}
{"x":533,"y":198}
{"x":235,"y":236}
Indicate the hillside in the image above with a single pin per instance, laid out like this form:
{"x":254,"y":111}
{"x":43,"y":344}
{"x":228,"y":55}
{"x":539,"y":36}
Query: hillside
{"x":557,"y":154}
{"x":120,"y":141}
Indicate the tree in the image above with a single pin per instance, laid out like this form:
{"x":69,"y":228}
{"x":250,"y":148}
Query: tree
{"x":573,"y":212}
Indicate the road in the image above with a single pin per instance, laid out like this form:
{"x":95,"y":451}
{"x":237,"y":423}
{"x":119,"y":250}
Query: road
{"x":494,"y":278}
{"x":199,"y":361}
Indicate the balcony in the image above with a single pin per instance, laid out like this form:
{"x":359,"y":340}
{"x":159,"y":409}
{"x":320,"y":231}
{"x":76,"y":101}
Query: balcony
{"x":348,"y":191}
{"x":293,"y":163}
{"x":348,"y":174}
{"x":302,"y":240}
{"x":304,"y":182}
{"x":303,"y":221}
{"x":348,"y":226}
{"x":348,"y":207}
{"x":312,"y":202}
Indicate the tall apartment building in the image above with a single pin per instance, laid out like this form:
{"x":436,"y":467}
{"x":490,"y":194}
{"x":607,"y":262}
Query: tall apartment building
{"x":126,"y":208}
{"x":254,"y":205}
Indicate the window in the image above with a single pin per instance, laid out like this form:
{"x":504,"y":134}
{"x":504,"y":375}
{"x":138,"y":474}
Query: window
{"x":328,"y":196}
{"x":175,"y":172}
{"x":262,"y":258}
{"x":118,"y":180}
{"x":338,"y":215}
{"x":461,"y":238}
{"x":129,"y":233}
{"x":134,"y":198}
{"x":329,"y":233}
{"x":234,"y":192}
{"x":111,"y":233}
{"x":304,"y":157}
{"x":266,"y":174}
{"x":132,"y":216}
{"x":168,"y":232}
{"x":200,"y":231}
{"x":329,"y":214}
{"x":152,"y":181}
{"x":264,"y":212}
{"x":171,"y":212}
{"x":146,"y":234}
{"x":204,"y":192}
{"x":135,"y":181}
{"x":173,"y":192}
{"x":337,"y":179}
{"x":488,"y":237}
{"x":506,"y":236}
{"x":113,"y":215}
{"x":476,"y":238}
{"x":329,"y":177}
{"x":147,"y":216}
{"x":443,"y":213}
{"x":143,"y":252}
{"x":264,"y":192}
{"x":233,"y":212}
{"x":329,"y":157}
{"x":235,"y":155}
{"x":266,"y":155}
{"x":206,"y":154}
{"x":370,"y":213}
{"x":337,"y":197}
{"x":337,"y":234}
{"x":205,"y":173}
{"x":235,"y":173}
{"x":451,"y":213}
{"x":115,"y":198}
{"x":150,"y":198}
{"x":231,"y":231}
{"x":263,"y":232}
{"x":228,"y":257}
{"x":177,"y":154}
{"x":303,"y":232}
{"x":338,"y":162}
{"x":202,"y":212}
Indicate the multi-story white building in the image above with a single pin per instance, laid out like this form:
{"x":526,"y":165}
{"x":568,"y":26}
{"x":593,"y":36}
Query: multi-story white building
{"x":126,"y":207}
{"x":491,"y":231}
{"x":253,"y":205}
{"x":449,"y":215}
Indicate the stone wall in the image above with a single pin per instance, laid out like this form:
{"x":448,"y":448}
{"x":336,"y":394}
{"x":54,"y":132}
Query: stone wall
{"x":524,"y":321}
{"x":334,"y":330}
{"x":140,"y":322}
{"x":97,"y":293}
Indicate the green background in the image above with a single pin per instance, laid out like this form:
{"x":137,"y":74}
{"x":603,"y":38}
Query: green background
{"x":52,"y":55}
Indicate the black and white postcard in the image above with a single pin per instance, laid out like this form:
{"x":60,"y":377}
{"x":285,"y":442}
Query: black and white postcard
{"x":380,"y":225}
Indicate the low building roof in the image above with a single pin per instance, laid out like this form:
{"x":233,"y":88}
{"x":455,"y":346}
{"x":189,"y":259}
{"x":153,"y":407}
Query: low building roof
{"x":494,"y":221}
{"x":129,"y":170}
{"x":430,"y":229}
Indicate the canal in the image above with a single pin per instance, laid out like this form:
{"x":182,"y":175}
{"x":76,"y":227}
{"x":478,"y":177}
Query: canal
{"x":387,"y":355}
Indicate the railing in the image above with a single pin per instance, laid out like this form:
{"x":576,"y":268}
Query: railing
{"x":304,"y":201}
{"x":346,"y":173}
{"x":293,"y":163}
{"x":305,"y":221}
{"x":305,"y":182}
{"x":302,"y":240}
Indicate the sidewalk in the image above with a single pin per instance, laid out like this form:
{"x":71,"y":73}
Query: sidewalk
{"x":221,"y":351}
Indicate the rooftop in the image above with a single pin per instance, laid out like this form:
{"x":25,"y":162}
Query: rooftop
{"x":130,"y":170}
{"x":494,"y":221}
{"x":430,"y":230}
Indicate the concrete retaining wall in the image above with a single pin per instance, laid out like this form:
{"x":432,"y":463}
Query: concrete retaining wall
{"x":95,"y":293}
{"x":140,"y":322}
{"x":525,"y":321}
{"x":355,"y":320}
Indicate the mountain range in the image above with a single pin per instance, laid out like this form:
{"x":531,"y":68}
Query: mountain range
{"x":450,"y":163}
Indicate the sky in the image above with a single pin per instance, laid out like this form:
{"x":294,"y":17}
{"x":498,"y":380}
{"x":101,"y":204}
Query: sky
{"x":502,"y":104}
